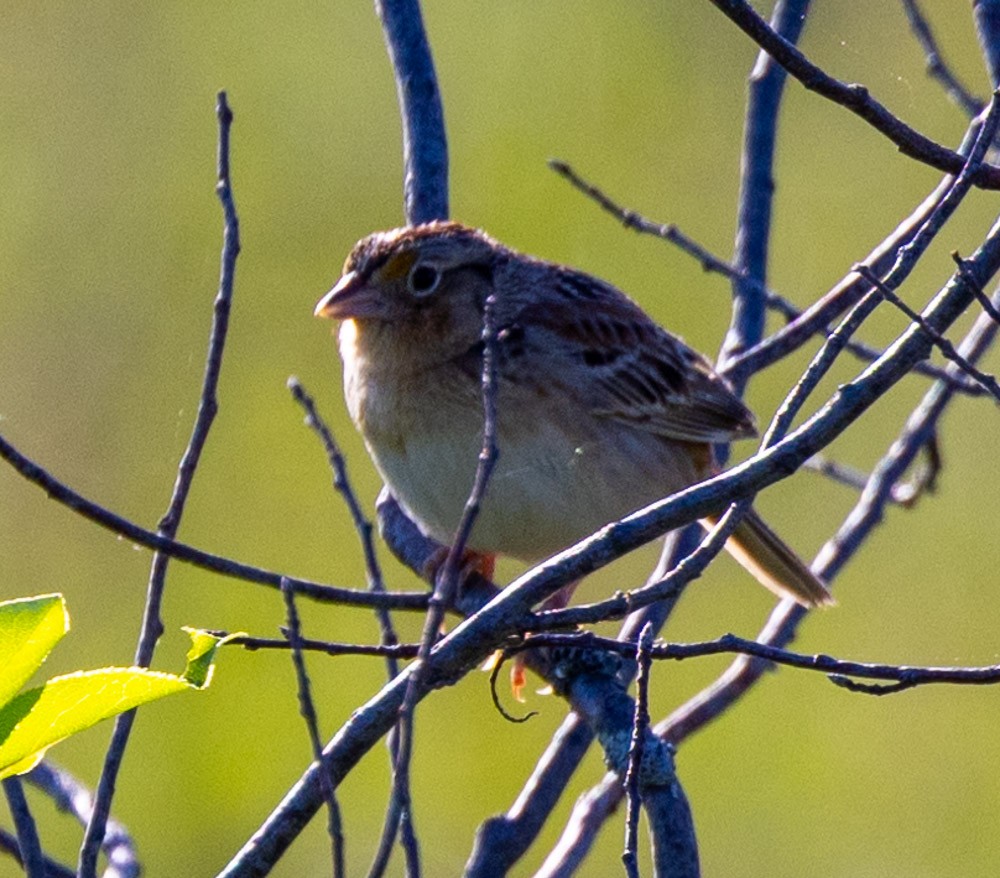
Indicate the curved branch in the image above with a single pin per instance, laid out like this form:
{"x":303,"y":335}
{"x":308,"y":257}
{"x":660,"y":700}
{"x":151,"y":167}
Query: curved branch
{"x":854,"y":97}
{"x":96,"y":513}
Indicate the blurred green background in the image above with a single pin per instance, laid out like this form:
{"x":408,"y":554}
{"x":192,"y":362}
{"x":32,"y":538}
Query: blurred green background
{"x":109,"y":243}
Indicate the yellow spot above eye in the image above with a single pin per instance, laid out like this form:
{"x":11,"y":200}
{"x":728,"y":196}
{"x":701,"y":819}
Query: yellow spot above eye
{"x":398,"y":266}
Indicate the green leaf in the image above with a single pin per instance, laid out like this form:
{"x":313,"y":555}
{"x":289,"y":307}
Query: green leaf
{"x":201,"y":655}
{"x":40,"y":717}
{"x":29,"y":628}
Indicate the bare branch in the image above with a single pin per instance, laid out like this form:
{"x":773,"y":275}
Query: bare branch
{"x":208,"y":405}
{"x":9,"y":845}
{"x":447,"y":578}
{"x":987,"y":17}
{"x":425,"y":148}
{"x":911,"y":675}
{"x":468,"y":644}
{"x":28,"y":844}
{"x":710,"y":262}
{"x":425,"y":198}
{"x":92,"y":511}
{"x":753,"y":221}
{"x":342,"y":484}
{"x":502,"y":840}
{"x":905,"y":493}
{"x":668,"y":587}
{"x":781,"y":627}
{"x":73,"y":797}
{"x":906,"y":259}
{"x":940,"y":342}
{"x":597,"y":805}
{"x":984,"y":301}
{"x":307,"y":709}
{"x":849,"y":291}
{"x":640,"y":723}
{"x":853,"y":97}
{"x":331,"y":648}
{"x":936,"y":66}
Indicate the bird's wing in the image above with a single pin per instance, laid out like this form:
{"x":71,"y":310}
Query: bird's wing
{"x":620,"y":364}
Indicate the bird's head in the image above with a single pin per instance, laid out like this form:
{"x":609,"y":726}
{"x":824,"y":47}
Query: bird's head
{"x":395,"y":275}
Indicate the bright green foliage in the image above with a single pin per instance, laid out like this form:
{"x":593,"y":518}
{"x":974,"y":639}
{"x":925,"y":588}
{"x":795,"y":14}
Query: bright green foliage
{"x":34,"y":720}
{"x":29,"y":628}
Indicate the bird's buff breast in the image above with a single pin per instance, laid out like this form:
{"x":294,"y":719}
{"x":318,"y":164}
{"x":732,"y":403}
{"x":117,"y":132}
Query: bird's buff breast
{"x":557,"y":478}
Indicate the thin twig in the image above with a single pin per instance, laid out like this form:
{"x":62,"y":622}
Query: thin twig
{"x":912,"y":675}
{"x":871,"y":688}
{"x":753,"y":221}
{"x":632,"y":219}
{"x":728,"y":643}
{"x":782,"y":626}
{"x":906,"y":259}
{"x":387,"y":633}
{"x":984,"y":301}
{"x":918,"y":434}
{"x":936,"y":66}
{"x":940,"y":342}
{"x":342,"y":483}
{"x":28,"y":844}
{"x":73,"y":797}
{"x":308,"y":710}
{"x":331,"y":648}
{"x":987,"y":17}
{"x":853,"y":97}
{"x":62,"y":493}
{"x":904,"y":493}
{"x":425,"y":198}
{"x":689,"y":568}
{"x":447,"y":578}
{"x":208,"y":405}
{"x":710,"y":262}
{"x":598,"y":804}
{"x":9,"y":845}
{"x":640,"y":723}
{"x":847,"y":292}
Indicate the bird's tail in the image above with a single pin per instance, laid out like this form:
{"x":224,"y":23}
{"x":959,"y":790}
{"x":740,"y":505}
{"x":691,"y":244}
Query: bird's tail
{"x":762,"y":552}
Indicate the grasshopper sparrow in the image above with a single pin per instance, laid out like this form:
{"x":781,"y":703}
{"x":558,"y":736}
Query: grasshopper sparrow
{"x":599,"y":411}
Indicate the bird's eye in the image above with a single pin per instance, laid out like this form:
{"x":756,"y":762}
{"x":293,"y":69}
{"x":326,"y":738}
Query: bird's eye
{"x":424,"y":279}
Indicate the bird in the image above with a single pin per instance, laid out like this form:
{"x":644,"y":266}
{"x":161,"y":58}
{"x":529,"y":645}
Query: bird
{"x":599,"y":410}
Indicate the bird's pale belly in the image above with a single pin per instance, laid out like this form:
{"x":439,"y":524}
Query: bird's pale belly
{"x":548,"y":491}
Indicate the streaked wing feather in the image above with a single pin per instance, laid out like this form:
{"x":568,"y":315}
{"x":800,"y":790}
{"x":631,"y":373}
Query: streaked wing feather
{"x":633,"y":369}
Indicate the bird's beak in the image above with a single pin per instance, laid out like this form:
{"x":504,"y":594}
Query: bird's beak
{"x":352,"y":297}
